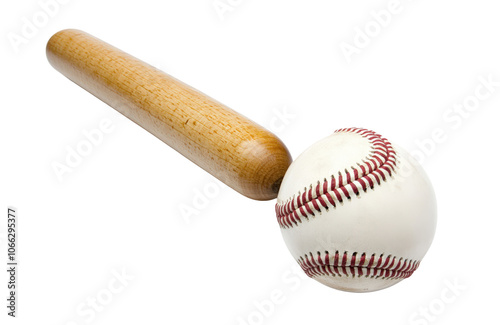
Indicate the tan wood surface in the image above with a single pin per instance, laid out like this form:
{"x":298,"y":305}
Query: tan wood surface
{"x":226,"y":144}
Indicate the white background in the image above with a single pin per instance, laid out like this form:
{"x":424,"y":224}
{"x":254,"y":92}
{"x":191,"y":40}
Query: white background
{"x":120,"y":209}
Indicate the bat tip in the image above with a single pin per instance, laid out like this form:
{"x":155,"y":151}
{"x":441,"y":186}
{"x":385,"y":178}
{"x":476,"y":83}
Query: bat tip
{"x":267,"y":162}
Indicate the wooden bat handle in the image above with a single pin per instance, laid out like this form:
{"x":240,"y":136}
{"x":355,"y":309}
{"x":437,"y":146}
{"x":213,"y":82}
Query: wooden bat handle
{"x":237,"y":151}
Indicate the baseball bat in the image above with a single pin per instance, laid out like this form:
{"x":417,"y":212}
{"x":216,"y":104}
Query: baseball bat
{"x":234,"y":149}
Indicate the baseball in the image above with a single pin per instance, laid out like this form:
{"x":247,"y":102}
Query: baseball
{"x":356,"y":212}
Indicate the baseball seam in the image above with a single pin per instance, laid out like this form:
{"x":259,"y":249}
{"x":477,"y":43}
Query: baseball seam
{"x":354,"y":265}
{"x":372,"y":170}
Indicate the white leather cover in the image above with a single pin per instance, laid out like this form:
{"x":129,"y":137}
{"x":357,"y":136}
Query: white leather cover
{"x":356,"y":242}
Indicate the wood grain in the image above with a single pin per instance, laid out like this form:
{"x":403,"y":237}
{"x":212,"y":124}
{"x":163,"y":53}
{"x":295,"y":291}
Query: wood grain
{"x":237,"y":151}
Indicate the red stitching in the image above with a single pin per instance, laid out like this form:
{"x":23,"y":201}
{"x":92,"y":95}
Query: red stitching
{"x":374,"y":169}
{"x":355,"y":265}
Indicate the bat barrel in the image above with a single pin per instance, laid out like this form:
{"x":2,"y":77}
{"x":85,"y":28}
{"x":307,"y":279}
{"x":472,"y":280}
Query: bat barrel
{"x":234,"y":149}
